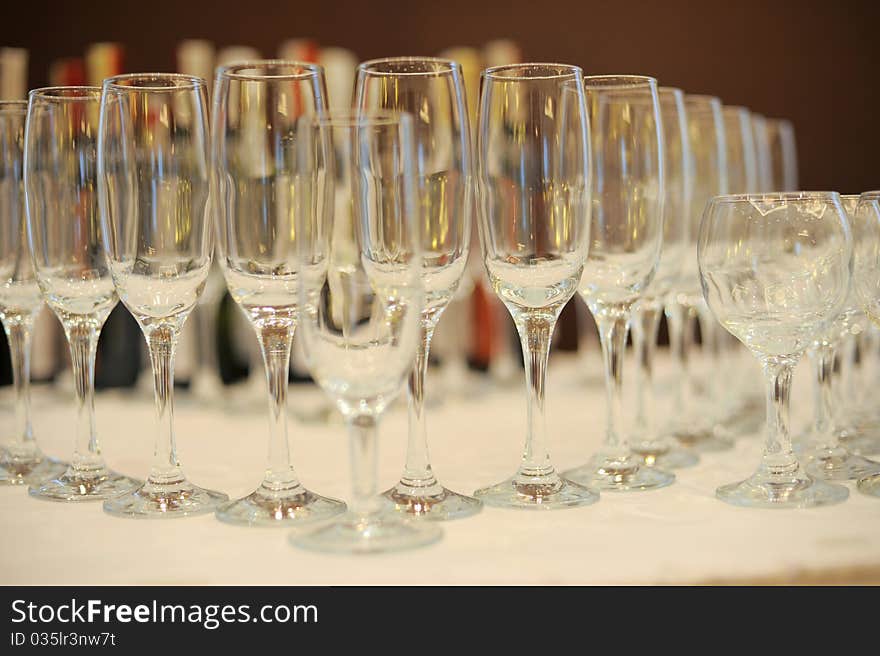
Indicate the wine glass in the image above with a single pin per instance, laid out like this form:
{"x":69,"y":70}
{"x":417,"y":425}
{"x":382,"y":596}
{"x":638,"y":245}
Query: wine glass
{"x":678,"y":168}
{"x":534,"y":176}
{"x":708,"y":146}
{"x":627,"y":233}
{"x":763,"y":156}
{"x":21,"y":460}
{"x":257,"y":175}
{"x":153,"y":185}
{"x":775,"y":271}
{"x":361,"y":298}
{"x":783,"y":154}
{"x":866,"y":280}
{"x":64,"y":232}
{"x":431,"y":90}
{"x":822,"y":452}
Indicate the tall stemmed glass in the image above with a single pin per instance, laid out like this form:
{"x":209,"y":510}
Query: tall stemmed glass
{"x":706,"y":135}
{"x":64,"y":231}
{"x":626,"y":237}
{"x":763,"y":156}
{"x":361,"y":300}
{"x":783,"y":154}
{"x":154,"y":179}
{"x":534,"y":176}
{"x":432,"y":91}
{"x":775,"y":271}
{"x":21,"y":460}
{"x":646,"y":443}
{"x":822,"y":452}
{"x":866,"y":280}
{"x":258,"y":179}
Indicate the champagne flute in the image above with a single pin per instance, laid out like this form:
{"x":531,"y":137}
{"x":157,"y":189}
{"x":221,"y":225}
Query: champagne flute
{"x":64,"y":232}
{"x":361,"y":298}
{"x":706,"y":135}
{"x":431,"y":90}
{"x":154,"y":179}
{"x":256,"y":109}
{"x":626,"y":237}
{"x":646,"y":443}
{"x":775,"y":271}
{"x":534,"y":176}
{"x":21,"y":460}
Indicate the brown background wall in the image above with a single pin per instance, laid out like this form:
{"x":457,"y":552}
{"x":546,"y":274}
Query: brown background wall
{"x":814,"y":62}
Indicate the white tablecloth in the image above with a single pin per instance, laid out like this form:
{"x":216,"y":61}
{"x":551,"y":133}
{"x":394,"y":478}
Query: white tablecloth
{"x":677,"y":534}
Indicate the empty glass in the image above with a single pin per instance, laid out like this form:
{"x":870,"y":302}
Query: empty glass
{"x":775,"y":271}
{"x":783,"y":154}
{"x":258,"y":179}
{"x":626,"y":236}
{"x":866,"y":279}
{"x":361,"y":300}
{"x":534,"y":176}
{"x":659,"y":451}
{"x":21,"y":460}
{"x":64,"y":231}
{"x":154,"y":179}
{"x":708,"y":146}
{"x":432,"y":92}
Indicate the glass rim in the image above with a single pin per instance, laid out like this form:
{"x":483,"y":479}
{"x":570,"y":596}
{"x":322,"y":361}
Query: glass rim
{"x":190,"y":82}
{"x":232,"y":71}
{"x":701,"y":99}
{"x":66,"y":93}
{"x":872,"y":195}
{"x":771,"y":196}
{"x":13,"y":106}
{"x":500,"y":72}
{"x":357,"y":118}
{"x":452,"y":67}
{"x":622,"y":82}
{"x":739,"y":109}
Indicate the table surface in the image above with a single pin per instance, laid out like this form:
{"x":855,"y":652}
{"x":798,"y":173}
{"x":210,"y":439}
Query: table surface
{"x":680,"y":534}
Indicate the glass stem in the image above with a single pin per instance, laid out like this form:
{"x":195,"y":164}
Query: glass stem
{"x":275,"y":342}
{"x":82,"y":336}
{"x":417,"y":472}
{"x":535,"y":331}
{"x":18,"y":334}
{"x":778,"y":459}
{"x":645,"y":325}
{"x":612,"y":324}
{"x":711,"y":347}
{"x":162,"y":340}
{"x":846,"y":390}
{"x":363,"y":434}
{"x":822,"y":359}
{"x":679,"y":348}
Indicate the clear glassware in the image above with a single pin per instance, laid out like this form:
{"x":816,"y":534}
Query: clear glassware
{"x":822,"y":452}
{"x":646,"y":443}
{"x":64,"y":232}
{"x":432,"y":91}
{"x":534,"y":175}
{"x":691,"y":425}
{"x":258,"y":178}
{"x":21,"y":460}
{"x":763,"y":156}
{"x":783,"y":154}
{"x":154,"y":185}
{"x":361,"y":301}
{"x":775,"y":271}
{"x":866,"y":281}
{"x":626,"y":234}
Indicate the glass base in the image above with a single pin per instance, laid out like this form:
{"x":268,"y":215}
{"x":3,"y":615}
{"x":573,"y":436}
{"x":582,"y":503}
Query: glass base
{"x":353,"y":534}
{"x":14,"y":471}
{"x":268,"y":507}
{"x":615,"y":474}
{"x":870,"y":485}
{"x":79,"y":485}
{"x":862,"y":441}
{"x":797,"y":490}
{"x":433,"y":502}
{"x":547,"y":492}
{"x":663,"y":455}
{"x":164,"y":501}
{"x":837,"y":464}
{"x":704,"y":440}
